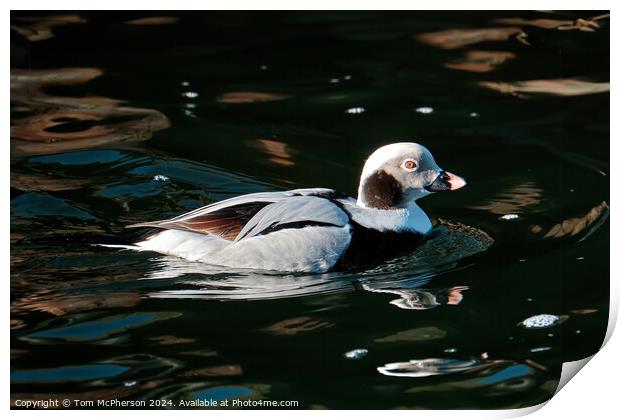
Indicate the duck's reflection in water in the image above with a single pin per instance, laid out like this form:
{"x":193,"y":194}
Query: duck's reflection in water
{"x":219,"y":283}
{"x":216,"y":283}
{"x":420,"y":299}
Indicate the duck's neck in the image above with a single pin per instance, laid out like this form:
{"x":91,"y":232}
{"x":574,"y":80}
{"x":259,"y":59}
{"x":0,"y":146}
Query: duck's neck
{"x":410,"y":218}
{"x":417,"y":220}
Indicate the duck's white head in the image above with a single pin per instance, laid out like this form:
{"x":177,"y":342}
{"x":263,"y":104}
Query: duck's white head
{"x":398,"y":174}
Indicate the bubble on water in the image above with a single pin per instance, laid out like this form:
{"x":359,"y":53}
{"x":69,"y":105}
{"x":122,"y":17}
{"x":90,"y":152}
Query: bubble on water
{"x":347,"y":77}
{"x":540,"y":321}
{"x":450,"y":350}
{"x":190,"y":94}
{"x":580,"y":258}
{"x":355,"y":110}
{"x":334,"y":80}
{"x":540,"y":349}
{"x":424,"y":110}
{"x":184,"y":83}
{"x":130,"y":383}
{"x":264,"y":67}
{"x":356,"y":354}
{"x":162,"y":178}
{"x":509,"y":217}
{"x":474,"y":114}
{"x":190,"y":105}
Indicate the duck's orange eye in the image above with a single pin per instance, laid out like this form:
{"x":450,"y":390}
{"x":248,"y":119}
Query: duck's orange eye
{"x":409,"y":165}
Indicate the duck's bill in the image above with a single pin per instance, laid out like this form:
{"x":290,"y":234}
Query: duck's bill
{"x":446,"y":181}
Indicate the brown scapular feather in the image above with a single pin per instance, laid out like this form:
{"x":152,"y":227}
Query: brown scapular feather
{"x":225,"y":223}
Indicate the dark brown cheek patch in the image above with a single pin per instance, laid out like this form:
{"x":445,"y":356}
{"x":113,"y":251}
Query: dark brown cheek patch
{"x":382,"y":191}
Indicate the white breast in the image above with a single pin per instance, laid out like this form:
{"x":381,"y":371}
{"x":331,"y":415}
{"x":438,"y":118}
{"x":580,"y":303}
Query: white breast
{"x":411,"y":219}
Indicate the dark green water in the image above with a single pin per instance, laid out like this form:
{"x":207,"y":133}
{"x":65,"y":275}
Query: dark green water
{"x":271,"y":101}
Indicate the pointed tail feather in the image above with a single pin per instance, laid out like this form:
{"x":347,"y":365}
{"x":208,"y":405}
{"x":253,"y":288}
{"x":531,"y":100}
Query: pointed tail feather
{"x":123,"y":247}
{"x":156,"y":224}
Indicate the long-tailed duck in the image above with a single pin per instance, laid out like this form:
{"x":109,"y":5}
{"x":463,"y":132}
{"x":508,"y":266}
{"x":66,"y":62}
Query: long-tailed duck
{"x":314,"y":229}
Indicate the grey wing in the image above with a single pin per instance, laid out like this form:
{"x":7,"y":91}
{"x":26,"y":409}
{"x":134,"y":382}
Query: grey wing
{"x":227,"y":218}
{"x":294,"y":212}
